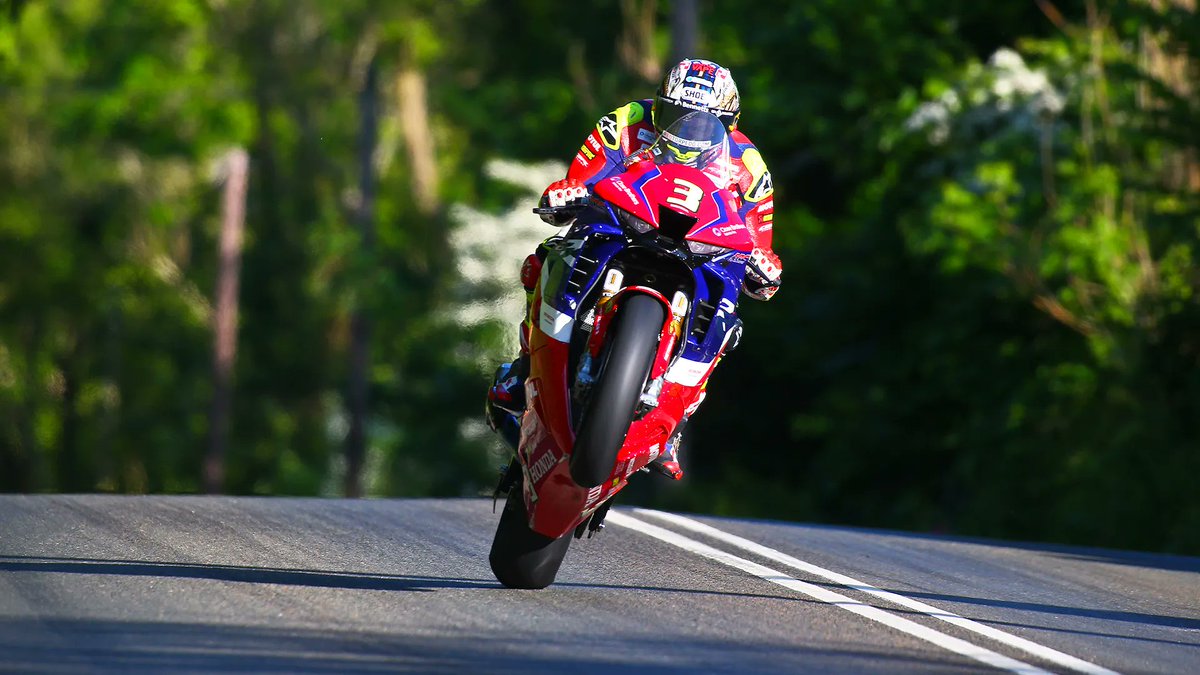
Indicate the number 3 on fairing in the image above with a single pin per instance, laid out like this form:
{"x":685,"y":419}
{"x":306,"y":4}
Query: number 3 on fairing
{"x":687,"y":196}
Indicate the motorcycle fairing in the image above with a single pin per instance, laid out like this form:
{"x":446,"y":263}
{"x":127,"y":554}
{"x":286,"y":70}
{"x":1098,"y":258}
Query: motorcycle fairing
{"x":716,"y":219}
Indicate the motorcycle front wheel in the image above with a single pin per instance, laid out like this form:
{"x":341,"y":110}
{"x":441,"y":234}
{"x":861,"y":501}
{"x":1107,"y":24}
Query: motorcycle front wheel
{"x":520,"y":557}
{"x":624,"y":369}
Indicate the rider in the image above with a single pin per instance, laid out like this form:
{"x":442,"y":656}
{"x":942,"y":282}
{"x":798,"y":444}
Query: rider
{"x":692,"y":84}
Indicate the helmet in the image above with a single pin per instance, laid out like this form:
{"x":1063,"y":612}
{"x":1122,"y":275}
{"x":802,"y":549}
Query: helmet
{"x":696,"y":84}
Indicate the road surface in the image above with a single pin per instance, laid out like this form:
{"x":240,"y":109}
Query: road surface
{"x":96,"y":583}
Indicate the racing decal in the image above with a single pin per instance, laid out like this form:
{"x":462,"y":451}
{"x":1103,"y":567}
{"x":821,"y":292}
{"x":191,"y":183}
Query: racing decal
{"x":687,"y":372}
{"x":593,"y":494}
{"x":646,"y":178}
{"x":696,"y":95}
{"x":608,"y":131}
{"x":728,"y":230}
{"x":687,"y":196}
{"x":542,"y":466}
{"x":646,"y":136}
{"x":590,"y":158}
{"x":555,"y":324}
{"x":620,"y":184}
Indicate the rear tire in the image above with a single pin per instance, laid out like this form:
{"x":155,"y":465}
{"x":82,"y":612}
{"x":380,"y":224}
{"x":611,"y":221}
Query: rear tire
{"x":520,"y":557}
{"x":624,"y":370}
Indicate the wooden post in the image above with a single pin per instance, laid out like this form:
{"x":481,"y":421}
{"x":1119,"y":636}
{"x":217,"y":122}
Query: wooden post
{"x":225,"y":315}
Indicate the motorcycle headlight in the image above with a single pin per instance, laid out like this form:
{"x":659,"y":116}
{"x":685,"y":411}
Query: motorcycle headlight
{"x":706,"y":249}
{"x":633,"y":222}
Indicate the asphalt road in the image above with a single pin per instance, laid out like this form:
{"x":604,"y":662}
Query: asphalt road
{"x":195,"y":584}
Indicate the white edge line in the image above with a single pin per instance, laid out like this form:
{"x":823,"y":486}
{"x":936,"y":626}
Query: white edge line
{"x":1041,"y":651}
{"x":847,"y":603}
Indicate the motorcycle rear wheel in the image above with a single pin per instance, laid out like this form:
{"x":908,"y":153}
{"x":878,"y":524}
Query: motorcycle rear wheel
{"x":520,"y":557}
{"x":623,"y":372}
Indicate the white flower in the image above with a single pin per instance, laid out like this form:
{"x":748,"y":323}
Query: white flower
{"x":1007,"y":59}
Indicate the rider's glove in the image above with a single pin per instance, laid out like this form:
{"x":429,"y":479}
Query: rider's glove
{"x":763,"y":274}
{"x":562,"y":201}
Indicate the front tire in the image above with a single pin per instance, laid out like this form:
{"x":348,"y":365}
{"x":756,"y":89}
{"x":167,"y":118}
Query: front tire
{"x":624,"y":371}
{"x":520,"y":557}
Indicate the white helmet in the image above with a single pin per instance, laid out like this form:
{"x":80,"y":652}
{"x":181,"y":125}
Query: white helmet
{"x":696,"y":84}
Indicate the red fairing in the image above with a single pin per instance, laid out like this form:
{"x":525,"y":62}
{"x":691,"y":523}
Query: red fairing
{"x":684,"y":190}
{"x":553,"y":499}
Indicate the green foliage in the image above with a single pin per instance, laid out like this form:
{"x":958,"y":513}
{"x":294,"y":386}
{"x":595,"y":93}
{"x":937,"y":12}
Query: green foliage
{"x":993,"y":346}
{"x":989,"y":322}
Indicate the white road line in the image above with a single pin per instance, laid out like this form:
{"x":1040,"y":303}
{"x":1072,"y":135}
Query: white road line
{"x":1052,"y":655}
{"x":847,"y":603}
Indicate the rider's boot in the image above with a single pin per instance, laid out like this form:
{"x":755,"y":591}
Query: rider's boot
{"x":506,"y":400}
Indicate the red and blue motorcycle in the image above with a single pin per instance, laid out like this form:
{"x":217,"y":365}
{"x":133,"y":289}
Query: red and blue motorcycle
{"x":634,"y":307}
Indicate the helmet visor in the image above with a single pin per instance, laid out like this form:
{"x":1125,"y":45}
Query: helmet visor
{"x":698,"y":140}
{"x":667,"y":112}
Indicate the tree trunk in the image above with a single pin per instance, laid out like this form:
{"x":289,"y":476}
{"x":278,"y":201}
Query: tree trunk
{"x":635,"y":45}
{"x":685,"y":30}
{"x":360,"y":322}
{"x":1175,"y":70}
{"x":233,"y":215}
{"x":418,"y":136}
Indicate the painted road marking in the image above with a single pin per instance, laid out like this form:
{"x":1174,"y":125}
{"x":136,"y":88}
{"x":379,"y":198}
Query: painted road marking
{"x":1052,"y":655}
{"x":847,"y":603}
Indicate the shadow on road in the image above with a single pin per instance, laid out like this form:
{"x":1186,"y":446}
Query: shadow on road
{"x":99,"y":645}
{"x":314,"y":578}
{"x":238,"y":573}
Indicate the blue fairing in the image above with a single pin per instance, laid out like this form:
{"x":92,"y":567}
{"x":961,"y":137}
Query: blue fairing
{"x":576,"y":265}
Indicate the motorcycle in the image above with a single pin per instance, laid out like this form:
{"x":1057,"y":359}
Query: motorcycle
{"x":634,"y":307}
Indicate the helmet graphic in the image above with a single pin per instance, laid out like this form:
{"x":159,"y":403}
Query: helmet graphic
{"x":696,"y":84}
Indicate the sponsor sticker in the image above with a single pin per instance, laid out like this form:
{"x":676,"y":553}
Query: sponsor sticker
{"x":625,"y":189}
{"x":608,"y":131}
{"x":541,"y":467}
{"x":698,"y":96}
{"x":594,"y":494}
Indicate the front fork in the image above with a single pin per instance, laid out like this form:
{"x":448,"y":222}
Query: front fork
{"x":610,"y":299}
